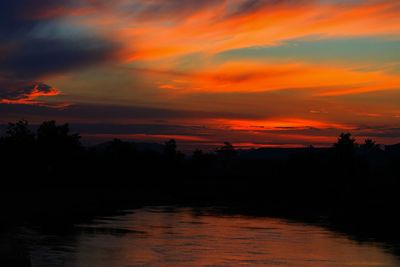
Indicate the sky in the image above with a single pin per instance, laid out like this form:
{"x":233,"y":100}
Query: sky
{"x":257,"y":73}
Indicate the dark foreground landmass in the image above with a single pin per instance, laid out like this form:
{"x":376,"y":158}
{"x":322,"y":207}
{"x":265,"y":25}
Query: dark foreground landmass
{"x":48,"y":178}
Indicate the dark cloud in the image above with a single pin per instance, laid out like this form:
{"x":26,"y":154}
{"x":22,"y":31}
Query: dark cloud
{"x":38,"y":57}
{"x":110,"y":113}
{"x":248,"y":6}
{"x":25,"y":93}
{"x":175,"y":9}
{"x":13,"y":91}
{"x":380,"y":132}
{"x":99,"y":128}
{"x":171,"y":9}
{"x":17,"y":17}
{"x":36,"y":43}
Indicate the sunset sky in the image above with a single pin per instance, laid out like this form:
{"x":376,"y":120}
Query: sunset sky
{"x":253,"y":72}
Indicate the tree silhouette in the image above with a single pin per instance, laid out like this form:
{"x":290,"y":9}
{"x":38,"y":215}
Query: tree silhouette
{"x":345,"y":142}
{"x":200,"y":159}
{"x":119,"y":152}
{"x":345,"y":146}
{"x":18,"y":135}
{"x":18,"y":150}
{"x":53,"y":137}
{"x":227,"y":151}
{"x":58,"y":149}
{"x":18,"y":139}
{"x":370,"y":145}
{"x":170,"y":149}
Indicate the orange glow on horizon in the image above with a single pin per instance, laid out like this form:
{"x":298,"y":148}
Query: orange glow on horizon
{"x":277,"y":124}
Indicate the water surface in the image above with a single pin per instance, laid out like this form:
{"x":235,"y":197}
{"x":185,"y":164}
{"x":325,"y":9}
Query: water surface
{"x":166,"y":236}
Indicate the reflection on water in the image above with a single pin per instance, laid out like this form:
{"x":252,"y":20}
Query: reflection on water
{"x":183,"y":237}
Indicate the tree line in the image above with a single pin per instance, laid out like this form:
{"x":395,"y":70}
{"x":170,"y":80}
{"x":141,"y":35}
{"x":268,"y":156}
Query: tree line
{"x":51,"y":166}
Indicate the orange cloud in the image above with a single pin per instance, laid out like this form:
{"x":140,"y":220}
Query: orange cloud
{"x":212,"y":30}
{"x":159,"y":40}
{"x":31,"y":96}
{"x":242,"y":76}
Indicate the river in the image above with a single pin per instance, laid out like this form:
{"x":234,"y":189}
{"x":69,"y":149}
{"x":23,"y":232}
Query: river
{"x":170,"y":236}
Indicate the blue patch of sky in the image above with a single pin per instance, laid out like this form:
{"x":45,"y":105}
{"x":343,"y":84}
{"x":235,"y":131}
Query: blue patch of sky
{"x":366,"y":50}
